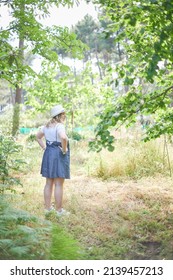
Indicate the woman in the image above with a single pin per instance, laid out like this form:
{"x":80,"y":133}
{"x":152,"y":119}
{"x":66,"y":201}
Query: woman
{"x":56,"y":158}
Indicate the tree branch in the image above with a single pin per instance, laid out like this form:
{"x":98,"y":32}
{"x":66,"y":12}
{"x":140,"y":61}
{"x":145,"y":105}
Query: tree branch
{"x":5,"y":1}
{"x":137,"y":111}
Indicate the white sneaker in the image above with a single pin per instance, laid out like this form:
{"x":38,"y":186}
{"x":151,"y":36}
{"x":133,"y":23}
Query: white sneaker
{"x":47,"y":211}
{"x":62,"y":212}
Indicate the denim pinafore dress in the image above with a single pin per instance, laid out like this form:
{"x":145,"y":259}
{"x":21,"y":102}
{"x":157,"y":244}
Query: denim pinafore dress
{"x":54,"y":163}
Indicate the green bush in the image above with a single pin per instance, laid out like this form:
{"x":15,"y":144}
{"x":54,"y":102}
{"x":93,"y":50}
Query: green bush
{"x":23,"y":236}
{"x":6,"y":121}
{"x":9,"y":163}
{"x":31,"y":138}
{"x":75,"y":135}
{"x":26,"y":237}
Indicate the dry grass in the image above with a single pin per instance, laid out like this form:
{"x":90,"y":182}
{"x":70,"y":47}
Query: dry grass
{"x":112,"y":219}
{"x":133,"y":159}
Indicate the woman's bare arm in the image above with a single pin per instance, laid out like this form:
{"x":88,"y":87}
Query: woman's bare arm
{"x":64,"y":141}
{"x":39,"y":137}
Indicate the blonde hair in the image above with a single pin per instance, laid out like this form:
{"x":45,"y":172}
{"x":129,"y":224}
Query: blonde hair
{"x":54,"y":120}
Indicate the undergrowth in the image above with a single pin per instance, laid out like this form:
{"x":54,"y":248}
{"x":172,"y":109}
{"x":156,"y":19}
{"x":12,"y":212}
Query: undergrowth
{"x":109,"y":219}
{"x":23,"y":236}
{"x":63,"y":246}
{"x":133,"y":159}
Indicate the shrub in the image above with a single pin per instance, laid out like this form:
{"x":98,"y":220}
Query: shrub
{"x":9,"y":162}
{"x":75,"y":135}
{"x":31,"y":138}
{"x":6,"y":120}
{"x":23,"y":236}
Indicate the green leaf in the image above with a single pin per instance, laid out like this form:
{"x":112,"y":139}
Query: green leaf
{"x":111,"y":148}
{"x":128,"y":81}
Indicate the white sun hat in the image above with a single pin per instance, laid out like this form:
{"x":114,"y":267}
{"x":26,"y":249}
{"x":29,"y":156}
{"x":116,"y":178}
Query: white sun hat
{"x":58,"y":109}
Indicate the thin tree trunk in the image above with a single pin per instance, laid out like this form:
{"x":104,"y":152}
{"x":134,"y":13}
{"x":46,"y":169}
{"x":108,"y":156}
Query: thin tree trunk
{"x":98,"y":61}
{"x":119,"y":49}
{"x":91,"y":75}
{"x":12,"y":101}
{"x":18,"y":96}
{"x":98,"y":64}
{"x":74,"y":67}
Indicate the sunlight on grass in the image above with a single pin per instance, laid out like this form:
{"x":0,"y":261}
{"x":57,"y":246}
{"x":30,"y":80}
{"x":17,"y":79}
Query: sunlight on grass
{"x":128,"y":215}
{"x":132,"y":159}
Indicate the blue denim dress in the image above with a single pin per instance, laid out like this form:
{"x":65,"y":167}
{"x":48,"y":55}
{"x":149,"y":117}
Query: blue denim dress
{"x":54,"y":163}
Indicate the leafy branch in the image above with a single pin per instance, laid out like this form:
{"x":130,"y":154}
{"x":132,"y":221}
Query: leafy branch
{"x":124,"y":111}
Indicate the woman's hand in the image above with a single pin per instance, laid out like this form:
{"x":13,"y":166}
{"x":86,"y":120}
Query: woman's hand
{"x":63,"y":151}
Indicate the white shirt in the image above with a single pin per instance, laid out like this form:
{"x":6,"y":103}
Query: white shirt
{"x":52,"y":133}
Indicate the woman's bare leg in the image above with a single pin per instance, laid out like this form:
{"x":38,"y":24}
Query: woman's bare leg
{"x":59,"y":182}
{"x":48,"y":192}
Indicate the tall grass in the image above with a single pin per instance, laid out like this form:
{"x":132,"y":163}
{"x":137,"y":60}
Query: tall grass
{"x":63,"y":246}
{"x":133,"y":159}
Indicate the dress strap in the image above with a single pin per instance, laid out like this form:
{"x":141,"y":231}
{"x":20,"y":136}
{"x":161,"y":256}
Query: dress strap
{"x":56,"y":131}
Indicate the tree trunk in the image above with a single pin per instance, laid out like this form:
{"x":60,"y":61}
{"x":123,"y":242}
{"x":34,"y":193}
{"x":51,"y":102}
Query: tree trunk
{"x":16,"y":110}
{"x":119,"y":50}
{"x":18,"y":96}
{"x":98,"y":61}
{"x":74,"y":67}
{"x":98,"y":64}
{"x":91,"y":75}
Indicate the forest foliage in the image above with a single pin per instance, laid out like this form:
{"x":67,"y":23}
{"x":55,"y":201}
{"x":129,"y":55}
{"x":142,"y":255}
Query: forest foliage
{"x":32,"y":37}
{"x":131,"y":46}
{"x":127,"y":60}
{"x":144,"y":29}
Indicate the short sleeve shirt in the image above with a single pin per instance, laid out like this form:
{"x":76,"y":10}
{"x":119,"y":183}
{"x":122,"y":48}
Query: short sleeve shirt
{"x":52,"y":133}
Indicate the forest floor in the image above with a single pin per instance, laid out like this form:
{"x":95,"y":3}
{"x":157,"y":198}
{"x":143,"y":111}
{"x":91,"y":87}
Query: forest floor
{"x":123,"y":219}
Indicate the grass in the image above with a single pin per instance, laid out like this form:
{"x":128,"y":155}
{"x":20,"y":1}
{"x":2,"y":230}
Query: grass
{"x":63,"y":246}
{"x":133,"y":159}
{"x":121,"y":204}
